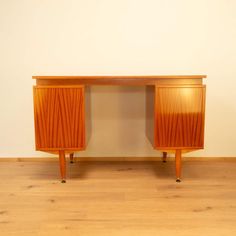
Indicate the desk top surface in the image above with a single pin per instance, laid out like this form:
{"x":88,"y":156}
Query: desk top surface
{"x":127,"y":77}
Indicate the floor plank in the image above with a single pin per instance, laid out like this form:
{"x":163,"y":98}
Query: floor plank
{"x":118,"y":198}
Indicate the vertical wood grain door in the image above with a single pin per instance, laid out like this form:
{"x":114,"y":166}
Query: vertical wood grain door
{"x":179,"y":117}
{"x":59,"y":118}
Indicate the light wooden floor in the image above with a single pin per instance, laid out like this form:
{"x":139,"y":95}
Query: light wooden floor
{"x":118,"y":198}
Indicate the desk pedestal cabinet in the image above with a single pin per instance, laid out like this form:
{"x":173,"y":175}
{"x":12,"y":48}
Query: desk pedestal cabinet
{"x":175,"y":113}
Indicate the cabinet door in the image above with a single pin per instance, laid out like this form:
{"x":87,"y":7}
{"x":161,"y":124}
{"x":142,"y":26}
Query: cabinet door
{"x":59,"y":118}
{"x":179,"y":117}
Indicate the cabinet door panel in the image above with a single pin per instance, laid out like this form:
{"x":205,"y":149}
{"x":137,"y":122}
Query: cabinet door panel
{"x":179,"y":117}
{"x":59,"y":117}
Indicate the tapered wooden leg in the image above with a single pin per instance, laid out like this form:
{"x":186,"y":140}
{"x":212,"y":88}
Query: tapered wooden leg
{"x":164,"y":157}
{"x":71,"y":157}
{"x":62,"y":160}
{"x":178,"y":165}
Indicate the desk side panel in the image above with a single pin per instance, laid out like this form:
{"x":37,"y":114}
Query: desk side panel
{"x":59,"y":118}
{"x":88,"y":111}
{"x":150,"y":113}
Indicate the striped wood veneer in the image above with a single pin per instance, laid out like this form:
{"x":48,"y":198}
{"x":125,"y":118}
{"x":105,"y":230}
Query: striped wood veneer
{"x":59,"y":118}
{"x":175,"y":111}
{"x":179,"y":117}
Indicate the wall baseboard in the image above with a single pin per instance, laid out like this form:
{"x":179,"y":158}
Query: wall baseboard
{"x":111,"y":159}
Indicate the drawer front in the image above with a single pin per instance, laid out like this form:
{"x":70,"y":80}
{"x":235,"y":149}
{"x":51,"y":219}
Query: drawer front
{"x":179,"y":117}
{"x":59,"y":117}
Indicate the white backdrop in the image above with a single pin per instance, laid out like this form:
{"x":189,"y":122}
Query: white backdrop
{"x":95,"y":37}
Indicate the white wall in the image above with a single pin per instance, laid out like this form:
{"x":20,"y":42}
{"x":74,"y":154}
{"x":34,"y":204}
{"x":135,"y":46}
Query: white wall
{"x":94,"y":37}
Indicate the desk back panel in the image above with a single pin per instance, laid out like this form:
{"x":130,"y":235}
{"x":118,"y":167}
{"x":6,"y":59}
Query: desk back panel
{"x":59,"y":118}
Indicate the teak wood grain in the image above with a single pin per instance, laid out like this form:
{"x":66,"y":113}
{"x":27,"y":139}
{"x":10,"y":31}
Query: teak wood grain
{"x":175,"y":112}
{"x":118,"y":80}
{"x":179,"y":117}
{"x":59,"y":118}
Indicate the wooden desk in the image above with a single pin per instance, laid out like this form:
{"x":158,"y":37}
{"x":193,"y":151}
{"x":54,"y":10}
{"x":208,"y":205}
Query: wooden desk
{"x":175,"y":113}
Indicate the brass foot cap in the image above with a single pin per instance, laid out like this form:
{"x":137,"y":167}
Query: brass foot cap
{"x":178,"y":180}
{"x":63,"y":181}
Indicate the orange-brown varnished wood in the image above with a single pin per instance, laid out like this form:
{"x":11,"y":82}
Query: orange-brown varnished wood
{"x":179,"y":117}
{"x":59,"y":118}
{"x":178,"y":157}
{"x":62,"y":160}
{"x":164,"y":156}
{"x":71,"y":157}
{"x":175,"y":112}
{"x":119,"y":80}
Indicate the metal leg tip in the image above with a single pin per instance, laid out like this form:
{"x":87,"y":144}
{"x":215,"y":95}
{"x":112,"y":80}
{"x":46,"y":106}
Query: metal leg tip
{"x":164,"y":161}
{"x":63,"y":181}
{"x":178,"y":180}
{"x":71,"y":162}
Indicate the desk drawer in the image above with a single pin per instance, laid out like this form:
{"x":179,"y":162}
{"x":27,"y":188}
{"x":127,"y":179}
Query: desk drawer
{"x":59,"y":117}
